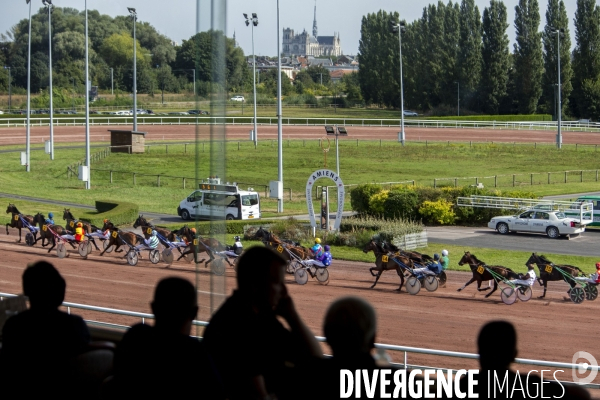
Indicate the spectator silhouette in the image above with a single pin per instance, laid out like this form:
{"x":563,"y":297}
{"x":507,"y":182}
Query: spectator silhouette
{"x":162,"y":361}
{"x":497,"y":346}
{"x":38,"y":343}
{"x":250,"y":349}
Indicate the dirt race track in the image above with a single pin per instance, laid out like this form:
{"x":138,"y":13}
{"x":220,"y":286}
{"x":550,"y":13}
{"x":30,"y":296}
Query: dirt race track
{"x":550,"y":329}
{"x":269,"y":132}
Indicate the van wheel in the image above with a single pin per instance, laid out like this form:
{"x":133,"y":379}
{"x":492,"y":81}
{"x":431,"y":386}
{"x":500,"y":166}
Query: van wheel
{"x":229,"y":217}
{"x":185,"y":214}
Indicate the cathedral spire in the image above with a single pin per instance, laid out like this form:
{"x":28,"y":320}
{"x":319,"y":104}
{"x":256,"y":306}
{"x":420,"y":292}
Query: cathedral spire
{"x":315,"y":31}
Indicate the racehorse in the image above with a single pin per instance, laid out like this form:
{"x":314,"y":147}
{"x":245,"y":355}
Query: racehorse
{"x":117,"y":237}
{"x":208,"y":245}
{"x":274,"y":242}
{"x":549,"y":273}
{"x":384,"y":262}
{"x":45,"y":233}
{"x":481,"y":273}
{"x":144,"y":224}
{"x":15,"y":221}
{"x":72,"y":221}
{"x":415,"y":256}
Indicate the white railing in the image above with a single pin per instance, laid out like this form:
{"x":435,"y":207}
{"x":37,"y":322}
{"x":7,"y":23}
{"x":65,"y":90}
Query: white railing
{"x":382,"y":346}
{"x":143,"y":119}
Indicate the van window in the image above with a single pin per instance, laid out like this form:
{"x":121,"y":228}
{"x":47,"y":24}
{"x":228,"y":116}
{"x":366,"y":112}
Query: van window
{"x":250,"y":200}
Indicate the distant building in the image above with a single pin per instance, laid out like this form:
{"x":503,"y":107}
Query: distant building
{"x":311,"y":45}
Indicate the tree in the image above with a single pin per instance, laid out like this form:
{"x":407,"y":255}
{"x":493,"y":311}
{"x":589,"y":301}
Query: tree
{"x":352,"y":87}
{"x":528,"y":60}
{"x":319,"y":74}
{"x":495,"y":56}
{"x":469,"y":53}
{"x":586,"y":60}
{"x":556,"y":18}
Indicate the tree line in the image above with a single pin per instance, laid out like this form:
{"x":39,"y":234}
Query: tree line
{"x":453,"y":53}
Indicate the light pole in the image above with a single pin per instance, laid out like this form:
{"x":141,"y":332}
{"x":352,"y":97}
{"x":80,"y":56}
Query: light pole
{"x":399,"y":28}
{"x":87,"y":104}
{"x":559,"y":33}
{"x":73,"y":97}
{"x":134,"y":18}
{"x":112,"y":87}
{"x":279,"y":117}
{"x":48,"y":4}
{"x":9,"y":90}
{"x":28,"y":129}
{"x":254,"y":21}
{"x":458,"y":98}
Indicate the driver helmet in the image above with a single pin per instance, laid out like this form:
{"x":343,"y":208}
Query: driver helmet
{"x":318,"y":241}
{"x":193,"y":230}
{"x":444,"y":253}
{"x":598,"y":265}
{"x":105,"y":220}
{"x":50,"y":215}
{"x":326,"y":247}
{"x":436,"y":256}
{"x":236,"y":238}
{"x":153,"y":233}
{"x":79,"y":224}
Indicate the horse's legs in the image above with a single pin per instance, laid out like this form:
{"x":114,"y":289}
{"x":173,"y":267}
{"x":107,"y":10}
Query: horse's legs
{"x":479,"y":282}
{"x":7,"y":228}
{"x":19,"y":235}
{"x":545,"y":287}
{"x":401,"y":275}
{"x":53,"y":244}
{"x":94,"y":243}
{"x":376,"y":279}
{"x":371,"y":271}
{"x":467,"y":284}
{"x":493,"y":290}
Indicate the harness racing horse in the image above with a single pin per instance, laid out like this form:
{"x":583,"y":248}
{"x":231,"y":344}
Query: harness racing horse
{"x":480,"y":273}
{"x":384,"y":262}
{"x":15,"y":221}
{"x":144,"y":224}
{"x":45,"y":232}
{"x":117,"y":237}
{"x":549,"y":273}
{"x":72,"y":221}
{"x":208,"y":245}
{"x":273,"y":242}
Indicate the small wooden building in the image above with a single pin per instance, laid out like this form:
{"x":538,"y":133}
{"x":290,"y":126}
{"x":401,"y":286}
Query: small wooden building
{"x":127,"y":141}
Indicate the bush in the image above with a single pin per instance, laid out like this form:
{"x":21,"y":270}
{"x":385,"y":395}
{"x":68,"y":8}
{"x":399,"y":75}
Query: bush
{"x":360,"y":196}
{"x":118,"y":213}
{"x":377,"y":202}
{"x":439,"y":212}
{"x":359,"y":231}
{"x":401,"y":203}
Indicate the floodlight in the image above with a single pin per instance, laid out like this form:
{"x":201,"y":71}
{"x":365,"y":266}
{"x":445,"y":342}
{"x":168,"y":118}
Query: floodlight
{"x":131,"y":10}
{"x":342,"y":131}
{"x":245,"y":15}
{"x":330,"y":130}
{"x":247,"y":23}
{"x":254,"y":15}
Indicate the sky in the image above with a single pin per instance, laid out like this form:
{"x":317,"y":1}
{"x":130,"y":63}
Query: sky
{"x":177,"y":18}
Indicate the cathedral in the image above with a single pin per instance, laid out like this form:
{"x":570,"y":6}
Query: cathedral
{"x":304,"y":44}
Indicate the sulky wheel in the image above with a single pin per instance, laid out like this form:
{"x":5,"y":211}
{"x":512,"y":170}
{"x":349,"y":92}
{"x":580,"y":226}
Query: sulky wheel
{"x":413,"y":286}
{"x":322,"y":275}
{"x":167,"y":256}
{"x":290,"y":267}
{"x":591,"y":292}
{"x":90,"y":247}
{"x":189,"y":257}
{"x":154,"y":256}
{"x":217,"y":266}
{"x":577,"y":295}
{"x":61,"y":250}
{"x":29,"y":239}
{"x":132,"y":258}
{"x":106,"y":247}
{"x":524,"y":293}
{"x":508,"y":295}
{"x":442,"y":278}
{"x":82,"y":249}
{"x":431,"y":283}
{"x":301,"y":276}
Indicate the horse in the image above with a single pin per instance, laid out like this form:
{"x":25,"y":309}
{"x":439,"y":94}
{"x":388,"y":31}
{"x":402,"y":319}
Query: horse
{"x":415,"y":256}
{"x":117,"y":237}
{"x":208,"y":245}
{"x":15,"y":221}
{"x":384,"y":262}
{"x":144,"y":224}
{"x":273,"y":242}
{"x":45,"y":233}
{"x":72,"y":221}
{"x":549,"y":273}
{"x":481,"y":273}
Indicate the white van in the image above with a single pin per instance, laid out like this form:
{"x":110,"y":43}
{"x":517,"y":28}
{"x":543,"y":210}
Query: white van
{"x":595,"y":200}
{"x":216,"y":201}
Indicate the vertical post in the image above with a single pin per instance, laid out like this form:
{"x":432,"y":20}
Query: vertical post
{"x":134,"y":17}
{"x":166,"y":149}
{"x":185,"y":149}
{"x":111,"y":181}
{"x":581,"y":180}
{"x":514,"y":179}
{"x":495,"y":180}
{"x":88,"y":183}
{"x":50,"y":7}
{"x":279,"y":116}
{"x":565,"y":176}
{"x":548,"y":178}
{"x":531,"y":180}
{"x":184,"y":182}
{"x":28,"y":129}
{"x":254,"y":83}
{"x":112,"y":87}
{"x":158,"y":180}
{"x":559,"y":113}
{"x":134,"y":179}
{"x":434,"y":183}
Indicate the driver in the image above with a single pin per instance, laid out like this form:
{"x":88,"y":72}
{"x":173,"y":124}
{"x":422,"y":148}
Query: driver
{"x":50,"y":219}
{"x":79,"y":236}
{"x":317,"y":250}
{"x":528,"y":279}
{"x":150,"y":243}
{"x":323,"y":261}
{"x":434,"y":267}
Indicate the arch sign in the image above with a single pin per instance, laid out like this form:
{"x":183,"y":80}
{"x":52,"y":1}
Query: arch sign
{"x":325,"y":173}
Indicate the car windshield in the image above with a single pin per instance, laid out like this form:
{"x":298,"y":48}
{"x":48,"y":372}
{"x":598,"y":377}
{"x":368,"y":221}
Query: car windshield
{"x":560,"y":215}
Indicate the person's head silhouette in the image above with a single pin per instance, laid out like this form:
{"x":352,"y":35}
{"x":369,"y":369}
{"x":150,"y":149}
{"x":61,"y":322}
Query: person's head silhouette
{"x":260,"y":277}
{"x":497,"y":344}
{"x":350,"y":326}
{"x":44,"y":286}
{"x":175,"y":305}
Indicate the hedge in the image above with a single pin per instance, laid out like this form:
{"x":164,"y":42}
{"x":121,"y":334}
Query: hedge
{"x":118,"y":213}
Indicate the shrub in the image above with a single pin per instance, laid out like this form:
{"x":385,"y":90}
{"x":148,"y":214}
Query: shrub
{"x":439,"y":212}
{"x":360,"y":196}
{"x":401,"y":203}
{"x":377,"y":202}
{"x":118,"y":213}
